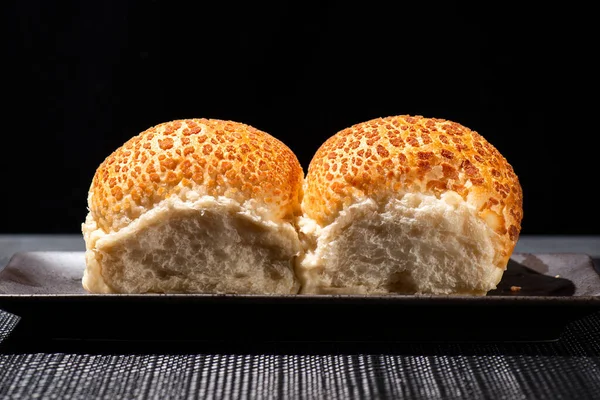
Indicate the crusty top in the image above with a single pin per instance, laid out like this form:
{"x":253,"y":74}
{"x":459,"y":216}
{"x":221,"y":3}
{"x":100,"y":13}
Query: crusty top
{"x":208,"y":156}
{"x":388,"y":156}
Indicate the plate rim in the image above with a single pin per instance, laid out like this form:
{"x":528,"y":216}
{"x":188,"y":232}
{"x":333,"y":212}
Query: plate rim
{"x":341,"y":298}
{"x":392,"y":297}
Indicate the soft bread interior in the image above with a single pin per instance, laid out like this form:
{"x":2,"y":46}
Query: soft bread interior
{"x":412,"y":244}
{"x":210,"y":245}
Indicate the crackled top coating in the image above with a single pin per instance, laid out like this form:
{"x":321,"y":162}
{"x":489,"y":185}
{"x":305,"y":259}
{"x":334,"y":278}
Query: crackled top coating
{"x":387,"y":156}
{"x":207,"y":156}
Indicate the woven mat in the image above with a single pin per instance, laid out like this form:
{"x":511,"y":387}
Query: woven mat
{"x":569,"y":368}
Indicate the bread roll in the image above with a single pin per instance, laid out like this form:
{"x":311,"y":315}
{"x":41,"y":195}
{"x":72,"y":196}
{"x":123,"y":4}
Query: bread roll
{"x":408,"y":205}
{"x":193,"y":206}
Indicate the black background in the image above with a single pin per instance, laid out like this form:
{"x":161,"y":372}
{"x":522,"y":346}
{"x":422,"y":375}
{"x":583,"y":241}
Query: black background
{"x":80,"y":78}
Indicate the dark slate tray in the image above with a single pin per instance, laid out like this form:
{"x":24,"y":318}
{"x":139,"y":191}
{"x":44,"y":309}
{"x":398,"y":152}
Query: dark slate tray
{"x":44,"y":289}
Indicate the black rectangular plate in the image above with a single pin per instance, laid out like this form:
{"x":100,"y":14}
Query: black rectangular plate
{"x":44,"y":289}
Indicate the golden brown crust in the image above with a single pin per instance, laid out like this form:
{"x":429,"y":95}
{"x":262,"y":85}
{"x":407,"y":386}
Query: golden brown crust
{"x":387,"y":156}
{"x":212,"y":157}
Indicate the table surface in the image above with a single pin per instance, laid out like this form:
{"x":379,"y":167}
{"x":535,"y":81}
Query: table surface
{"x":564,"y":369}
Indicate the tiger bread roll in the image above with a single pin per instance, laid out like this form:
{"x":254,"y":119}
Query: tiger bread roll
{"x":408,"y":205}
{"x":194,"y":206}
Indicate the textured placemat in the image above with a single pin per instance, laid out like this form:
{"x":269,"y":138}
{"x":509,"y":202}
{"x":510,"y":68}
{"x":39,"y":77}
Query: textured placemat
{"x":7,"y":324}
{"x":569,"y":368}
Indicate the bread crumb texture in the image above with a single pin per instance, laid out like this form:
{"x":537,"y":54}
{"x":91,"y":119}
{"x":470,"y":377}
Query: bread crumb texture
{"x":385,"y":157}
{"x":191,"y":158}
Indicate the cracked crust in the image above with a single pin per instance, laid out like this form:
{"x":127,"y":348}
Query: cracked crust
{"x":205,"y":156}
{"x":385,"y":157}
